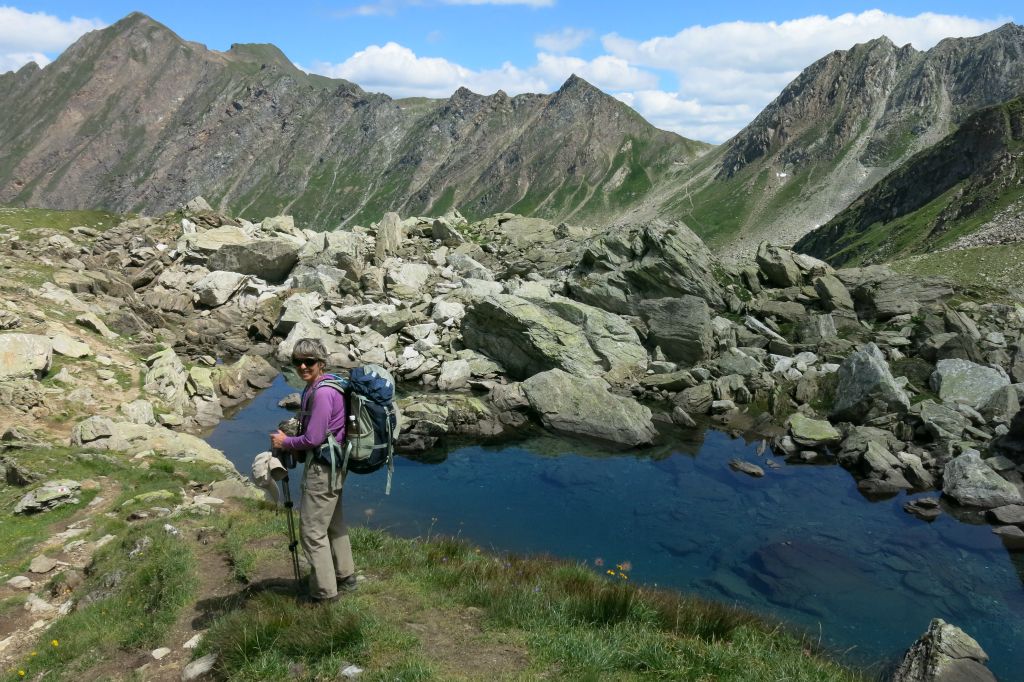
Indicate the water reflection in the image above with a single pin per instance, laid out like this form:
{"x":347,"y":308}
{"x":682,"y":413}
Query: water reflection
{"x":801,"y":543}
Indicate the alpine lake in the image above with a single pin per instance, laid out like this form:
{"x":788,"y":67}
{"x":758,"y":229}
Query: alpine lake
{"x":800,"y":545}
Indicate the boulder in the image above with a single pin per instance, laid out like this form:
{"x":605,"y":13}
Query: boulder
{"x":299,"y":307}
{"x":578,"y":406}
{"x":530,"y":336}
{"x":813,"y":432}
{"x":966,"y":382}
{"x":681,"y":327}
{"x":777,"y":266}
{"x":443,"y":311}
{"x":138,"y":412}
{"x":735,"y":361}
{"x":1010,"y":515}
{"x":944,"y":653}
{"x":972,"y":483}
{"x":90,"y":321}
{"x":656,"y":260}
{"x":407,"y":279}
{"x":942,"y":422}
{"x":65,"y":345}
{"x":324,"y":280}
{"x":866,"y":388}
{"x":896,"y":294}
{"x":101,"y":433}
{"x":49,"y":495}
{"x":24,"y":356}
{"x":445,"y":231}
{"x":454,"y":375}
{"x":833,"y":293}
{"x":166,"y":379}
{"x":389,"y":236}
{"x":696,"y":399}
{"x":469,"y":267}
{"x":217,"y":287}
{"x":201,"y":245}
{"x":268,"y":259}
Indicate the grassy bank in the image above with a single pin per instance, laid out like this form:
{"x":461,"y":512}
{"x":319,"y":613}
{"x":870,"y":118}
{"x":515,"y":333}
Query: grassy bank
{"x":428,"y":609}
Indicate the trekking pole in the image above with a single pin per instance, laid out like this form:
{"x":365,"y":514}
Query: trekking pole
{"x":293,"y":544}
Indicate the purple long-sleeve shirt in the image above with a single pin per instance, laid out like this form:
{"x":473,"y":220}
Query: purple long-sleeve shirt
{"x":327,"y":413}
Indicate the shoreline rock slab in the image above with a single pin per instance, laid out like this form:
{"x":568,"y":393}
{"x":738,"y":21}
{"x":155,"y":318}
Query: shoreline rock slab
{"x":972,"y":483}
{"x":963,"y":381}
{"x":578,"y":406}
{"x":944,"y":653}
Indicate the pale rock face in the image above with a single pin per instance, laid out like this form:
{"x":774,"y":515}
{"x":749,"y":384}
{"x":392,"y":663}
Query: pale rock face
{"x":217,"y":287}
{"x":527,"y":337}
{"x":972,"y":483}
{"x":867,"y":388}
{"x":24,"y":355}
{"x":584,"y":407}
{"x":966,"y":382}
{"x":944,"y":652}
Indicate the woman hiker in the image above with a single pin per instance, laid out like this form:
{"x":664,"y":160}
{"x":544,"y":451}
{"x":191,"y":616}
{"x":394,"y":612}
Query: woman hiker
{"x":323,"y":533}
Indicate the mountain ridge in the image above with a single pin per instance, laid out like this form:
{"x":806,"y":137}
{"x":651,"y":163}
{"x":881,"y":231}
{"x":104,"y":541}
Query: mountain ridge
{"x":138,"y":118}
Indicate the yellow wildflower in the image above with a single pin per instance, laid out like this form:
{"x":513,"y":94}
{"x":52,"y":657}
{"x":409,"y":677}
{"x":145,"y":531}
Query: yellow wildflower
{"x":55,"y":643}
{"x":21,"y":673}
{"x":610,"y":572}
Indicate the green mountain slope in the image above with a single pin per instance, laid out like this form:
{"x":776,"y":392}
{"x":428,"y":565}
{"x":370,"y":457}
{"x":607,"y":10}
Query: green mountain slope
{"x":133,"y":118}
{"x":971,"y":183}
{"x":838,"y":128}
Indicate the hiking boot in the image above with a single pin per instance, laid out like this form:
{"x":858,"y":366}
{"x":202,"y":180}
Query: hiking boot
{"x":348,"y":584}
{"x":313,"y":602}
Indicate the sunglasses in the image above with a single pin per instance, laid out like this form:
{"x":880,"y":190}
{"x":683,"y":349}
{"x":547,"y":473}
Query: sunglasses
{"x":304,"y":362}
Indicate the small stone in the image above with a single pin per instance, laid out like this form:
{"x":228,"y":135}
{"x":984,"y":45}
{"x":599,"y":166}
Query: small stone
{"x":351,"y":671}
{"x":194,"y":642}
{"x":160,"y":653}
{"x":42,"y":564}
{"x":1010,"y":515}
{"x":38,"y":607}
{"x":926,"y":508}
{"x":1012,"y":537}
{"x":19,"y":582}
{"x":198,"y":667}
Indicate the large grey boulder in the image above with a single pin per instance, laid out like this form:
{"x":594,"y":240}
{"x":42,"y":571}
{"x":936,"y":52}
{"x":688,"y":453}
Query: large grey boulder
{"x":681,"y":327}
{"x":972,"y":483}
{"x":866,"y":388}
{"x":578,"y":406}
{"x":944,"y":653}
{"x":892,"y":294}
{"x":216,"y":288}
{"x":101,"y":433}
{"x":833,"y":293}
{"x":777,"y":266}
{"x":49,"y":495}
{"x":299,"y":307}
{"x":166,"y":379}
{"x":24,"y":356}
{"x":202,"y":245}
{"x":966,"y":382}
{"x":657,"y":260}
{"x":326,"y":280}
{"x":268,"y":259}
{"x":389,"y":236}
{"x":530,"y":336}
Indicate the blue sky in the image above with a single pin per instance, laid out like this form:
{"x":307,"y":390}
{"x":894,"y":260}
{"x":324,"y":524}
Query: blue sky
{"x":701,"y":69}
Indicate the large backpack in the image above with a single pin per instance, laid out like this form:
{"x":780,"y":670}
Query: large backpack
{"x":372,"y":425}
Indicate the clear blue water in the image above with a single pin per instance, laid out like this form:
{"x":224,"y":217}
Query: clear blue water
{"x":800,"y":544}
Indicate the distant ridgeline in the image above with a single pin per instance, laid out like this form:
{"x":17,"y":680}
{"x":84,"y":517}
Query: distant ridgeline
{"x":134,"y":118}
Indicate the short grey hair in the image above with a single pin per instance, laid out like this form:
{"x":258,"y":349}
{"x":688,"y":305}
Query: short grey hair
{"x":310,"y":348}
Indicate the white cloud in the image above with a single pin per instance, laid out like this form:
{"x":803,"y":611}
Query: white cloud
{"x":690,"y":118}
{"x":566,"y":40}
{"x":398,"y":71}
{"x":26,"y":36}
{"x":528,"y":3}
{"x":748,"y":63}
{"x":383,"y":8}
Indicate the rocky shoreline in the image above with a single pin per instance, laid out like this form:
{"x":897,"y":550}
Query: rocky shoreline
{"x":139,"y":336}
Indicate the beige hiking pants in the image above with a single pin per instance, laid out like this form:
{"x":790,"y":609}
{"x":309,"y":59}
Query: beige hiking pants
{"x":323,"y":534}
